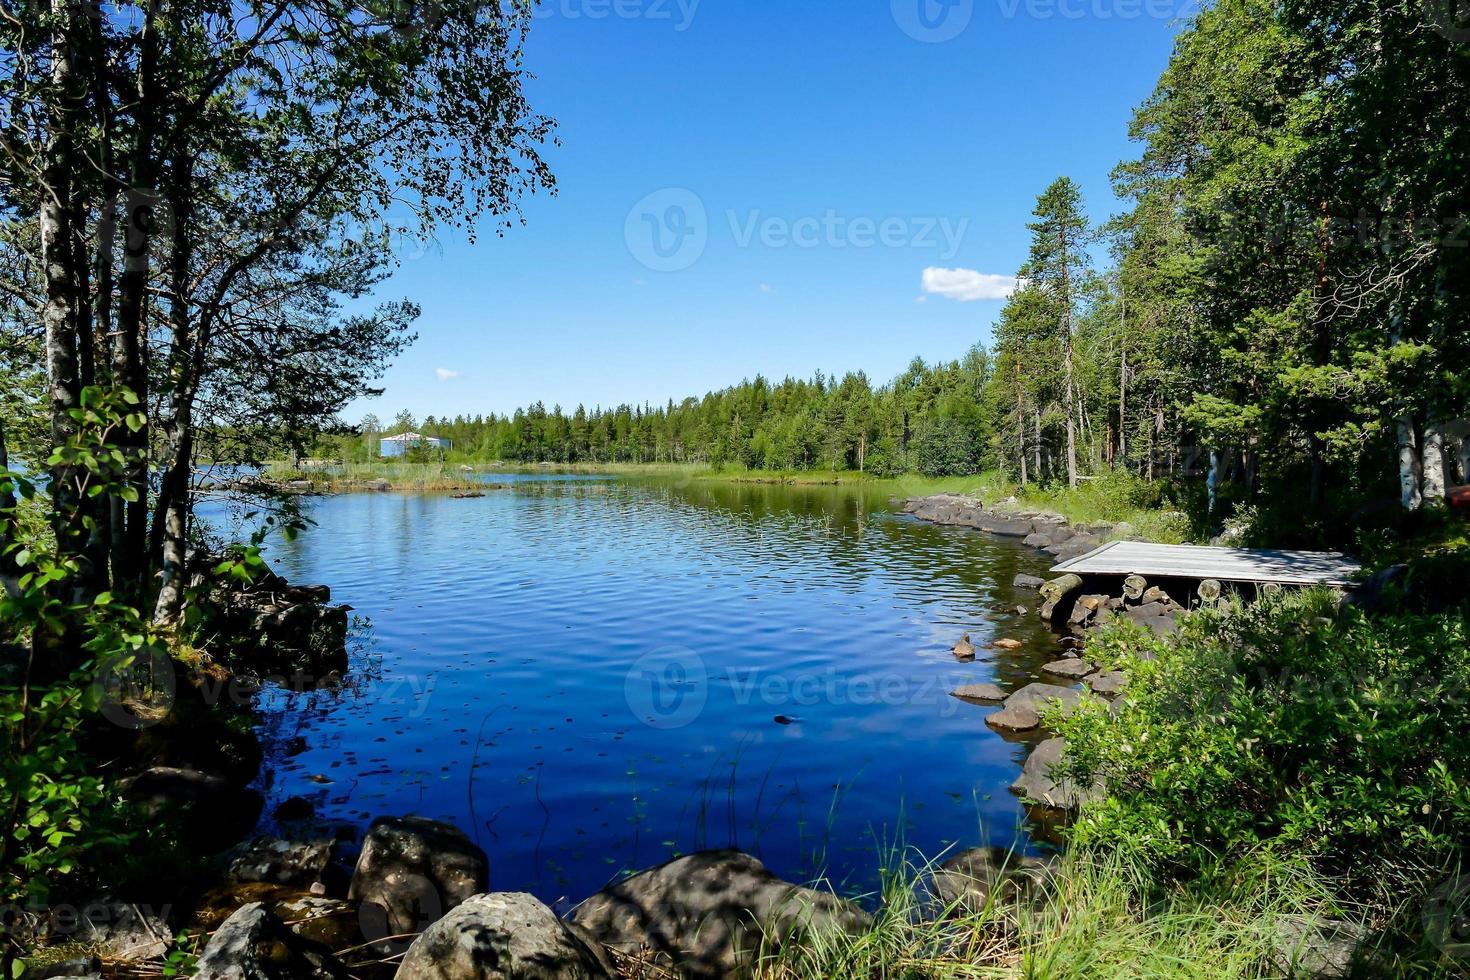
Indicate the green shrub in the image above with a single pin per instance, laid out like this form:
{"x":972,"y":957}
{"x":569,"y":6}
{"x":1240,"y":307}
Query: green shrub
{"x":1316,"y":732}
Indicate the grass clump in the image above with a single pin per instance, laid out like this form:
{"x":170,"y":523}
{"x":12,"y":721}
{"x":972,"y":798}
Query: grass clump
{"x":1099,"y":915}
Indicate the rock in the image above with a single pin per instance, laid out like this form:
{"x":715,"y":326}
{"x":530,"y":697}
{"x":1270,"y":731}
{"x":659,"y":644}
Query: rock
{"x":119,"y":932}
{"x":76,"y":968}
{"x":1155,"y":594}
{"x":1006,"y":644}
{"x":281,"y":862}
{"x":1148,"y":611}
{"x":1028,"y":582}
{"x":1021,"y":610}
{"x":1039,"y":539}
{"x":964,"y":650}
{"x":1319,"y":949}
{"x":974,"y":879}
{"x":333,"y":922}
{"x":253,"y":944}
{"x":979,"y":692}
{"x":1077,"y":544}
{"x":707,"y":912}
{"x":1038,"y":696}
{"x":1006,"y":527}
{"x":1037,"y":783}
{"x":209,"y":810}
{"x":1060,"y":588}
{"x":411,"y":872}
{"x":1075,"y":669}
{"x":1107,"y":682}
{"x":1376,"y":594}
{"x":1017,"y":719}
{"x":504,"y":936}
{"x":378,"y":486}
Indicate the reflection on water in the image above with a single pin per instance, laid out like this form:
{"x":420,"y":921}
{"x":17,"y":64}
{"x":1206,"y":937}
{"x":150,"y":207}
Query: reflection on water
{"x":589,"y":676}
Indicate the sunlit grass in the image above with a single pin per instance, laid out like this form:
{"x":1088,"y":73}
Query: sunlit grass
{"x":1099,"y":917}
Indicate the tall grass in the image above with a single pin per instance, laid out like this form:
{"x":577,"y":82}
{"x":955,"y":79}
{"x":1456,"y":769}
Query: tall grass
{"x":1099,"y":916}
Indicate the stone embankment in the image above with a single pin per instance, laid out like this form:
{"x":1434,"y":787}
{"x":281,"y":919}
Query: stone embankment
{"x":1073,"y":608}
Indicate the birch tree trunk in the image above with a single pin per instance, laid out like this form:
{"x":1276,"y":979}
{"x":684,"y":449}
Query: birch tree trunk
{"x":1432,"y":466}
{"x":1409,"y":491}
{"x":1021,"y":425}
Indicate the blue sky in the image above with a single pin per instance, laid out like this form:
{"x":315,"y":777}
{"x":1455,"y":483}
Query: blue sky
{"x":802,"y":164}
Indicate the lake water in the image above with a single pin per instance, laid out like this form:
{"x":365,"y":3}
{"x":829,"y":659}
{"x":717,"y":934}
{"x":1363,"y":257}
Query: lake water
{"x":586,"y":676}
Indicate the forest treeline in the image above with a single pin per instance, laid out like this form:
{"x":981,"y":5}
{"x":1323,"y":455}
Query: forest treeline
{"x":1283,"y":305}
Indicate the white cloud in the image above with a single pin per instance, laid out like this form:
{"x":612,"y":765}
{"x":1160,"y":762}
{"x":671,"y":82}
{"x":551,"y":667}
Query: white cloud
{"x":445,"y":374}
{"x":767,"y":288}
{"x":967,"y":285}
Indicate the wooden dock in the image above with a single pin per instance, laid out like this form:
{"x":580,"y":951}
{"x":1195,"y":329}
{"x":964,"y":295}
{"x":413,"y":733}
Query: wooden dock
{"x":1224,"y":564}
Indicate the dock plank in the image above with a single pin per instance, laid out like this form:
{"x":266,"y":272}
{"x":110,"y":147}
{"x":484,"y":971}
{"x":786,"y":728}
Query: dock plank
{"x":1225,"y":564}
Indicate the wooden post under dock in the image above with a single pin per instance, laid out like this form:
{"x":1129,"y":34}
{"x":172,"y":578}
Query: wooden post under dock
{"x":1185,"y":561}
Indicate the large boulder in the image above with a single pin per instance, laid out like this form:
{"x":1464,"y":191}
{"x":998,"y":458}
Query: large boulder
{"x":975,"y":879}
{"x":1024,"y":581}
{"x":255,"y":945}
{"x":411,"y":872}
{"x":505,"y":936}
{"x":1040,"y":783}
{"x":707,"y":912}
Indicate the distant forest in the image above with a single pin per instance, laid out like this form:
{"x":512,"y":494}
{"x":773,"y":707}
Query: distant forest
{"x":1284,"y":301}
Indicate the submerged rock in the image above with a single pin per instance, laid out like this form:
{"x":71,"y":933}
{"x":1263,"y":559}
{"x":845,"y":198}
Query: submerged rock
{"x":1028,"y":582}
{"x":708,"y":912}
{"x":979,"y":692}
{"x":411,"y":872}
{"x":504,"y":936}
